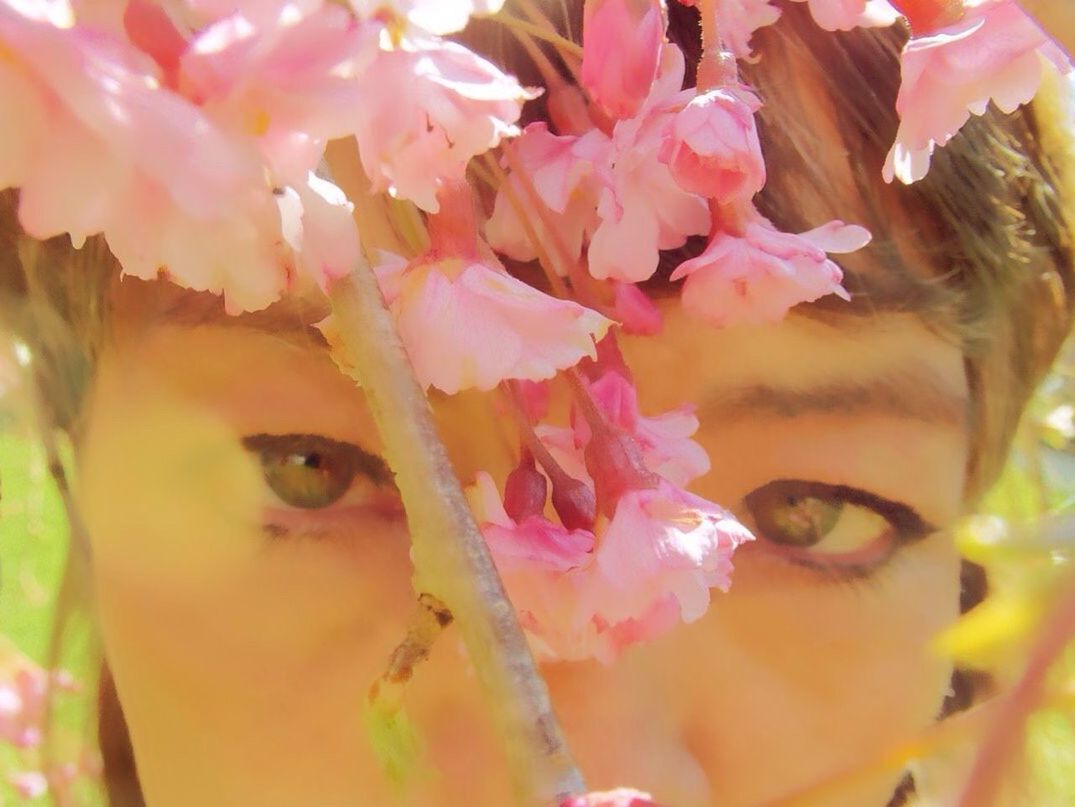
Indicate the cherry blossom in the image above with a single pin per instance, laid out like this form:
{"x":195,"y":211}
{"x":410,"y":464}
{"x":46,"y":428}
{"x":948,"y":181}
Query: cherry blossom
{"x":468,"y":324}
{"x":289,"y":81}
{"x":425,"y":111}
{"x":652,"y":568}
{"x":996,"y":52}
{"x":642,"y":208}
{"x":665,"y":440}
{"x":90,"y":119}
{"x":621,"y":50}
{"x":562,"y":171}
{"x":756,"y":276}
{"x":636,"y":313}
{"x":663,"y":545}
{"x":713,"y":150}
{"x":544,"y":569}
{"x":316,"y":222}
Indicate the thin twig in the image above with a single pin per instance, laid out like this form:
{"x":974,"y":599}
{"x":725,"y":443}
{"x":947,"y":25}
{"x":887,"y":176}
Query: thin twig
{"x":451,"y":558}
{"x":556,"y":282}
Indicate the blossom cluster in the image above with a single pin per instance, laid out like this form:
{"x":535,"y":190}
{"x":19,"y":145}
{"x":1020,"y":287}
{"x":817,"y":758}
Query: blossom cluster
{"x":192,"y":135}
{"x":189,"y":133}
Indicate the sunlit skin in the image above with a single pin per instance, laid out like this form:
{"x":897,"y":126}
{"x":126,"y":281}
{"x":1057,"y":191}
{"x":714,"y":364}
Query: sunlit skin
{"x":243,"y":654}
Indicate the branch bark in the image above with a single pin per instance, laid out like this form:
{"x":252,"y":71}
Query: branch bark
{"x":450,"y":555}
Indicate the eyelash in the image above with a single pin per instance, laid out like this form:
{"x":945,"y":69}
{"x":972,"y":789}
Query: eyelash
{"x":312,"y":476}
{"x":907,"y":526}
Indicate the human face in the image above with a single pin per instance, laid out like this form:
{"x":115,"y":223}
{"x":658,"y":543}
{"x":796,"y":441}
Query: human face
{"x":243,"y":633}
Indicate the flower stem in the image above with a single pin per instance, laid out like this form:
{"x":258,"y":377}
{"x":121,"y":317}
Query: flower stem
{"x":451,"y":558}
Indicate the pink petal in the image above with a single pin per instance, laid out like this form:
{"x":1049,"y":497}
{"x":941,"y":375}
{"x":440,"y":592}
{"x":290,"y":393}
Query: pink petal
{"x":621,"y":48}
{"x":466,"y":325}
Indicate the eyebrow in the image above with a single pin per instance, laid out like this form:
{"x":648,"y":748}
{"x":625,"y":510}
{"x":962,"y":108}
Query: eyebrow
{"x":288,"y":318}
{"x":909,"y":394}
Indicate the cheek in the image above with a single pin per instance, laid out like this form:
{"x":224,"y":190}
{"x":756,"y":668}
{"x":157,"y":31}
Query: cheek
{"x":182,"y":567}
{"x":799,"y":681}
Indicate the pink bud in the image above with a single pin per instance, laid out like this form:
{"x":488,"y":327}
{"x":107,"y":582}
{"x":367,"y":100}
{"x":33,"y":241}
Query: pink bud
{"x":614,"y":460}
{"x":574,"y":503}
{"x":525,"y":490}
{"x":714,"y":149}
{"x":609,"y":359}
{"x":636,"y":312}
{"x":621,"y":48}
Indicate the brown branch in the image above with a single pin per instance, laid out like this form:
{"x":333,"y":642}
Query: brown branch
{"x":450,"y":555}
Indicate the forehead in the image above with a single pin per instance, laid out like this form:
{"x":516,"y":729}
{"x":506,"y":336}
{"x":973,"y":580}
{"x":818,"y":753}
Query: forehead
{"x":890,"y":363}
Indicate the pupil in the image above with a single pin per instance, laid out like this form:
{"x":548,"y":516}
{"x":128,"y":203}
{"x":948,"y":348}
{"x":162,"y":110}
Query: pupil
{"x":312,"y":461}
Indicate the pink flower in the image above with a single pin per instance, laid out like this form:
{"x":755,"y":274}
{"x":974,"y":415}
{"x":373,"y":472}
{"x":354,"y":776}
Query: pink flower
{"x":665,"y":441}
{"x":663,"y":548}
{"x":98,"y":145}
{"x":288,"y":80}
{"x":843,"y":15}
{"x":532,"y":541}
{"x":714,"y":149}
{"x":620,"y":797}
{"x":636,"y":313}
{"x":654,"y":564}
{"x":653,"y":567}
{"x":543,"y":568}
{"x":316,"y":222}
{"x":465,"y":324}
{"x":425,"y":111}
{"x":996,"y":52}
{"x":621,"y":49}
{"x":642,"y":208}
{"x":757,"y":276}
{"x":563,"y":173}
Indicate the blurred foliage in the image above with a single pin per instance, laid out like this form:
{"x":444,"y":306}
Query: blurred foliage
{"x":33,"y":547}
{"x":1024,"y":535}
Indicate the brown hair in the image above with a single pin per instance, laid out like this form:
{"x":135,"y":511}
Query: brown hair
{"x":980,"y":250}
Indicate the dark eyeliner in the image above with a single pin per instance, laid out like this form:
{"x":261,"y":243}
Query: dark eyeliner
{"x":361,"y":461}
{"x":908,"y":526}
{"x":348,"y":462}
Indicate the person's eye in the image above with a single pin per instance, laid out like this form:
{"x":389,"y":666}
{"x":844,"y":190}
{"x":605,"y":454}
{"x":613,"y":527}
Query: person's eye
{"x":312,"y":472}
{"x":832,"y":527}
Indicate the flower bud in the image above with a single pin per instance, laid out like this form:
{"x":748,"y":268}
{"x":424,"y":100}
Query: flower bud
{"x":614,"y":460}
{"x":574,"y":503}
{"x":525,"y":490}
